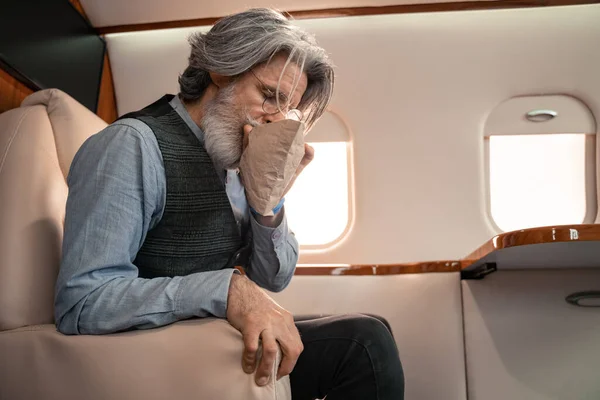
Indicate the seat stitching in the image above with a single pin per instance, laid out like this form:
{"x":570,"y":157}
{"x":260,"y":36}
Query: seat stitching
{"x":11,"y":140}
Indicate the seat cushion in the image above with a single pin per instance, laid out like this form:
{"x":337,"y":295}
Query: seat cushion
{"x":37,"y":144}
{"x":195,"y":359}
{"x":32,"y":203}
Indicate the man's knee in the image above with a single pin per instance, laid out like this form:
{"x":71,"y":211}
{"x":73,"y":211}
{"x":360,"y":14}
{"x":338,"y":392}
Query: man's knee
{"x":383,"y":321}
{"x":366,"y":344}
{"x":369,"y":330}
{"x":374,"y":334}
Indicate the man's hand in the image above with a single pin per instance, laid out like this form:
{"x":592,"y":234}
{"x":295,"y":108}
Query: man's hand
{"x":309,"y":154}
{"x":258,"y":317}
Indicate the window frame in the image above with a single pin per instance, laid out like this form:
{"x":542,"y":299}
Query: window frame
{"x":345,"y":137}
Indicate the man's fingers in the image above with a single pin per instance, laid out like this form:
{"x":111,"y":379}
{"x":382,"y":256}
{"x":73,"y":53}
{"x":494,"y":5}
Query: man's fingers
{"x":250,"y":350}
{"x":291,"y":348}
{"x":288,"y":362}
{"x":309,"y":154}
{"x":246,"y":138}
{"x":269,"y":355}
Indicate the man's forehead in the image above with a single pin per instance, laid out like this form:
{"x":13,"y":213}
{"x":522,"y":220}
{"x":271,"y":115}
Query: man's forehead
{"x":272,"y":70}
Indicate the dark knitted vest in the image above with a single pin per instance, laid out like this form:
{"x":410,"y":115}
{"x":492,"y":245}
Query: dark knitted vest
{"x":197,"y":231}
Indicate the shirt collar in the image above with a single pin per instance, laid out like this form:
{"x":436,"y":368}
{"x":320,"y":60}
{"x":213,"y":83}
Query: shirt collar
{"x":183,"y":113}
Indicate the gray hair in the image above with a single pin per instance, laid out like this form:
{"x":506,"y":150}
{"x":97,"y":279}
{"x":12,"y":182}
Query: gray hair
{"x":239,"y":42}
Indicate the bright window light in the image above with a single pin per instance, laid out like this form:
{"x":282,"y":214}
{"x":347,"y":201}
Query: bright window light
{"x":537,"y":180}
{"x":317,"y":205}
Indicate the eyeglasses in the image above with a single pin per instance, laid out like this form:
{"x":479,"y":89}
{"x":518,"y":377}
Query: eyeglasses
{"x":270,"y":106}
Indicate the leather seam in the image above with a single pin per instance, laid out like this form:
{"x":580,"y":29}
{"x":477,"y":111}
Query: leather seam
{"x":31,"y":328}
{"x":12,"y":139}
{"x":49,"y":112}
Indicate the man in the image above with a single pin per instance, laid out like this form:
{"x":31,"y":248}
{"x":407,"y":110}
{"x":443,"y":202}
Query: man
{"x":157,"y":218}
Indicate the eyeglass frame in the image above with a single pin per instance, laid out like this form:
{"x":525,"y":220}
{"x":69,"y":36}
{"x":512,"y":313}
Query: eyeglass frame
{"x":298,"y":113}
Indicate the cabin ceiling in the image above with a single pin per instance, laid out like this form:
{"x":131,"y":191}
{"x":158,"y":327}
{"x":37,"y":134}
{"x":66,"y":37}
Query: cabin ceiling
{"x":104,"y":13}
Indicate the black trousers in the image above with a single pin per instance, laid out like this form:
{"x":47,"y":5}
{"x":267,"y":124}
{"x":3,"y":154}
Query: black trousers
{"x":347,"y":357}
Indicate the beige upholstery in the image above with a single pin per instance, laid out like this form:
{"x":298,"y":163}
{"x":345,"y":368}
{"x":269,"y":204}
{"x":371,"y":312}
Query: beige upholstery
{"x":192,"y":359}
{"x":198,"y":359}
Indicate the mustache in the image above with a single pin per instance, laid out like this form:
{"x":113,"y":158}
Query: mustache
{"x":250,"y":121}
{"x":223,"y":126}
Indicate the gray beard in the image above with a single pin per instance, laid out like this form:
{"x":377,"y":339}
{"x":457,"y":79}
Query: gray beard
{"x":223,"y":124}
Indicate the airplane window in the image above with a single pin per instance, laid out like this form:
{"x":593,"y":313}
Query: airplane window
{"x":537,"y":180}
{"x":317,"y":206}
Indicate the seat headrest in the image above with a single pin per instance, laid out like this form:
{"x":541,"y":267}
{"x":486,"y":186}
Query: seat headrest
{"x":71,"y":121}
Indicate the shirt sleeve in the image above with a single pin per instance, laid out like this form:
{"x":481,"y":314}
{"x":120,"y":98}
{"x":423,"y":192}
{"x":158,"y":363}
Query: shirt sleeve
{"x":117,"y":190}
{"x":274,"y":255}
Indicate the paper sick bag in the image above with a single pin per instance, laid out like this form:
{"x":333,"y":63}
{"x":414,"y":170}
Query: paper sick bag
{"x":269,"y":162}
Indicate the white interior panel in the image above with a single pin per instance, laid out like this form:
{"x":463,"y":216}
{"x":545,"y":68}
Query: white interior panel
{"x":525,"y":342}
{"x":415,"y":91}
{"x":510,"y":117}
{"x":424,"y":311}
{"x":118,"y":12}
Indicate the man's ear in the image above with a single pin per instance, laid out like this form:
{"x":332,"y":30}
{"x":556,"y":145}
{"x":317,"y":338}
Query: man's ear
{"x":219,"y":80}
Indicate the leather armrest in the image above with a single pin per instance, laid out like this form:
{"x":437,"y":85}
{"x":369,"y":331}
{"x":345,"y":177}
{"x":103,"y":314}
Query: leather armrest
{"x":195,"y":359}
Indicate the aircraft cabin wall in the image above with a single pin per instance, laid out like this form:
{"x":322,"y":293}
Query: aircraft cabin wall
{"x":421,"y":101}
{"x":413,"y":94}
{"x":445,"y":129}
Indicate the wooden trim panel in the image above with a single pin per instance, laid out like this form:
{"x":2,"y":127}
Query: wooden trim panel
{"x":107,"y":102}
{"x":360,"y":11}
{"x":12,"y":92}
{"x":77,"y":5}
{"x":391,"y":269}
{"x":547,"y":234}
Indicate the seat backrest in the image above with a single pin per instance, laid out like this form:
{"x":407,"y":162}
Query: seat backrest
{"x":37,"y":144}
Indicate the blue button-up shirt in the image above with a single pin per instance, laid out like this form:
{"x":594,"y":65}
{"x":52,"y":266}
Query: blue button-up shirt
{"x":117,"y":192}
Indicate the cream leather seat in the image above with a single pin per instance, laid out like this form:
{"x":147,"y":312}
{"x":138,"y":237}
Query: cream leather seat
{"x":196,"y":359}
